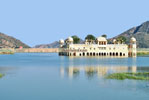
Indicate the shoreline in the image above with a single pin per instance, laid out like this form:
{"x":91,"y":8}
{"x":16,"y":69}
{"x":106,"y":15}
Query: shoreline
{"x":142,"y":51}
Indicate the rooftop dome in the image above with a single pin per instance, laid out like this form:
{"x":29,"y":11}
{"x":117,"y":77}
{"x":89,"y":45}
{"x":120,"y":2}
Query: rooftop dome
{"x":70,"y":39}
{"x":133,"y":39}
{"x":61,"y":41}
{"x":114,"y":40}
{"x":101,"y":39}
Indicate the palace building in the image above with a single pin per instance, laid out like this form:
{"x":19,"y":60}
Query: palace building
{"x":99,"y":47}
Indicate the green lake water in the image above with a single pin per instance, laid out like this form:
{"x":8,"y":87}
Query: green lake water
{"x":47,"y":76}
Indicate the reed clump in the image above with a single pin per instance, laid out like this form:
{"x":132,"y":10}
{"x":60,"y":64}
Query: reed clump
{"x":129,"y":75}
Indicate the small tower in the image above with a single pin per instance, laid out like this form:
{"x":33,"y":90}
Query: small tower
{"x":132,"y":47}
{"x":69,"y":40}
{"x":61,"y":42}
{"x":114,"y":41}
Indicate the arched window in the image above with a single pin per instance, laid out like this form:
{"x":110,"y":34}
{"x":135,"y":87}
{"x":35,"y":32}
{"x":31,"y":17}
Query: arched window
{"x":104,"y":43}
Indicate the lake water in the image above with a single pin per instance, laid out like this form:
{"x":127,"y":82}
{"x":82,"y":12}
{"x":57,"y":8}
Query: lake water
{"x":46,"y":76}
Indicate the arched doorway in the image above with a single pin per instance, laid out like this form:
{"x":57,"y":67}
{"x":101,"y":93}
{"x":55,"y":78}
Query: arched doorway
{"x":94,"y":54}
{"x":90,"y":54}
{"x":87,"y":54}
{"x":120,"y":54}
{"x":104,"y":54}
{"x":99,"y":54}
{"x":113,"y":54}
{"x":116,"y":54}
{"x":83,"y":54}
{"x":74,"y":54}
{"x":110,"y":54}
{"x":80,"y":54}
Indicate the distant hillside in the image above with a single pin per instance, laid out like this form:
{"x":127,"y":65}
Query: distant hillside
{"x":10,"y":42}
{"x":141,"y":33}
{"x":52,"y":45}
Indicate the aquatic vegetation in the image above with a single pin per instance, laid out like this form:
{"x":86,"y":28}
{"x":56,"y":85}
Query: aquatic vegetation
{"x":129,"y":75}
{"x":142,"y":53}
{"x":1,"y":75}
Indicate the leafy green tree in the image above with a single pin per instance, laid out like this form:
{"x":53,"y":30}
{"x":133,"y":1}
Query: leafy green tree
{"x":121,"y":39}
{"x":90,"y":37}
{"x":104,"y":35}
{"x":76,"y":39}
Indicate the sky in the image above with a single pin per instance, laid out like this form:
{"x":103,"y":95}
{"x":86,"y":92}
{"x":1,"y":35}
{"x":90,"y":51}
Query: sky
{"x":45,"y":21}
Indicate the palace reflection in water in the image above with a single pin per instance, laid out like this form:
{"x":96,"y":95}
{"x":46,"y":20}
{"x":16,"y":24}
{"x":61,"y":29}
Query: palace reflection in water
{"x":100,"y":71}
{"x":90,"y":67}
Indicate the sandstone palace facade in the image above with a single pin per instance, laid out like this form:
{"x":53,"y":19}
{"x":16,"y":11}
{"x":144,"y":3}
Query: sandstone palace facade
{"x":99,"y":47}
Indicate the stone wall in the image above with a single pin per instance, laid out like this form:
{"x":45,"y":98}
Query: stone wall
{"x":34,"y":50}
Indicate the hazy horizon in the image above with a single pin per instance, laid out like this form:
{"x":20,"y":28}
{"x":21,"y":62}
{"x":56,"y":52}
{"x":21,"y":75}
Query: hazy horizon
{"x":45,"y":21}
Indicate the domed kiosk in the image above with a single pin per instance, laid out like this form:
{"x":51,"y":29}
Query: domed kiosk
{"x":61,"y":42}
{"x":101,"y":41}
